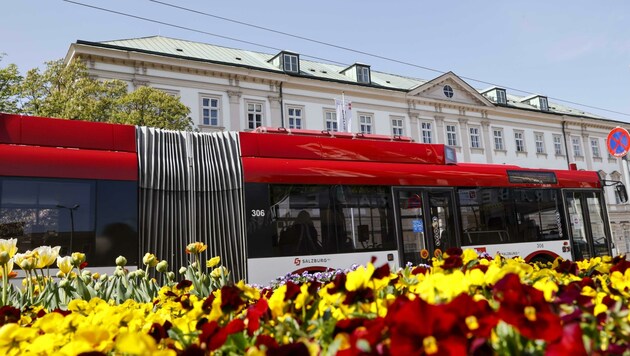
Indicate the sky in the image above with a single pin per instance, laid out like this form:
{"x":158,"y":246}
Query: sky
{"x":574,"y":52}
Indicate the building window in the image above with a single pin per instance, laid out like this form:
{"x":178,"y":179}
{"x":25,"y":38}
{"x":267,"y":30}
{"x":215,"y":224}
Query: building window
{"x":451,"y":135}
{"x":577,"y":147}
{"x":557,"y":145}
{"x":595,"y":147}
{"x":475,"y":141}
{"x":363,"y":74}
{"x":544,"y":106}
{"x":501,"y":97}
{"x":365,"y":124}
{"x":448,"y":91}
{"x":519,"y":141}
{"x":498,"y":139}
{"x":426,"y":133}
{"x":210,"y":111}
{"x":254,"y":115}
{"x":540,"y":142}
{"x":294,"y":116}
{"x":290,"y":62}
{"x":397,"y":127}
{"x":330,"y":118}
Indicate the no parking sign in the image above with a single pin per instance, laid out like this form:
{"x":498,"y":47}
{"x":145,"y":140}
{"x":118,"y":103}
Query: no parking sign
{"x":618,"y":142}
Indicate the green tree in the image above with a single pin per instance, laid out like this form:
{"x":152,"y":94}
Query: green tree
{"x":151,"y":107}
{"x":10,"y":81}
{"x":66,"y":90}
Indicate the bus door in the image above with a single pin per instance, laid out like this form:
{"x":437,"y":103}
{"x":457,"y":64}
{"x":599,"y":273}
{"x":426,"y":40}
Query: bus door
{"x":426,"y":222}
{"x":587,"y":224}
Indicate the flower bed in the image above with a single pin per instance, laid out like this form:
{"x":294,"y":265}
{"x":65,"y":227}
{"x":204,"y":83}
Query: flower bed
{"x":462,"y":304}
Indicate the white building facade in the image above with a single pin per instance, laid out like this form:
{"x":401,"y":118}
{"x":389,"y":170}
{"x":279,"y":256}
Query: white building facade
{"x":238,"y":90}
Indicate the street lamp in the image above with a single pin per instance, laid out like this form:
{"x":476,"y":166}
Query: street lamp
{"x":71,"y":209}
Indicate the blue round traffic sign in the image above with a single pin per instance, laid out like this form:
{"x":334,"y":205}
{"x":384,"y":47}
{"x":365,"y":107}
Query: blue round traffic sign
{"x":618,"y":142}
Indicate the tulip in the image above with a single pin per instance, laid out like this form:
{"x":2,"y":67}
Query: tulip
{"x":196,"y":247}
{"x":162,"y":266}
{"x":121,"y":261}
{"x":150,"y":260}
{"x":47,"y":255}
{"x":65,"y":264}
{"x":213,"y":261}
{"x":9,"y":246}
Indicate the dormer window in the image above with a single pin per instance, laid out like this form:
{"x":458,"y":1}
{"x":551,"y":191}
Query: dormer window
{"x":538,"y":101}
{"x":544,"y":106}
{"x":290,"y":63}
{"x":363,"y":74}
{"x":501,"y":97}
{"x":359,"y":72}
{"x":287,"y":61}
{"x":496,"y":94}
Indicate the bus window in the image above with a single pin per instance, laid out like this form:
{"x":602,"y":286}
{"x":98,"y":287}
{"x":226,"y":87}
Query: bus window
{"x":368,"y":221}
{"x":311,"y":219}
{"x":50,"y":212}
{"x":484,"y":216}
{"x":96,"y":217}
{"x":578,"y":228}
{"x":600,"y":245}
{"x":299,"y":212}
{"x":501,"y":215}
{"x":538,"y":214}
{"x":412,"y":225}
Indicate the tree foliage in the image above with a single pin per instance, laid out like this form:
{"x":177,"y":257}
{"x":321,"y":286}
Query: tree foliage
{"x":10,"y":80}
{"x":66,"y":90}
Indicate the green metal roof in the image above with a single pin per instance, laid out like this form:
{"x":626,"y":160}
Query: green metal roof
{"x":317,"y":70}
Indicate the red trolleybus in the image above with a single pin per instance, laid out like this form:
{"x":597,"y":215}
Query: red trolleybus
{"x":276,"y":201}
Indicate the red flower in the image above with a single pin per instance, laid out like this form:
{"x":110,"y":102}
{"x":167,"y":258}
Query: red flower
{"x":254,"y":313}
{"x":268,"y":341}
{"x":9,"y":314}
{"x":475,"y":317}
{"x":419,"y":328}
{"x":525,"y":308}
{"x":370,"y":330}
{"x":567,"y":267}
{"x":159,"y":332}
{"x":231,"y":298}
{"x":213,"y":336}
{"x":570,"y":344}
{"x":452,"y":262}
{"x":381,"y":272}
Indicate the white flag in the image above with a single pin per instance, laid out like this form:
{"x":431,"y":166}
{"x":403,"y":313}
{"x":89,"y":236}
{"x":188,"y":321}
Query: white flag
{"x":344,"y":115}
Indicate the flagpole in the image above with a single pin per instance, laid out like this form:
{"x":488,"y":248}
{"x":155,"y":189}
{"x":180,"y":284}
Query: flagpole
{"x":343,"y":113}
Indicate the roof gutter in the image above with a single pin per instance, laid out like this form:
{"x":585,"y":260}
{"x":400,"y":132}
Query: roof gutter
{"x":281,"y":107}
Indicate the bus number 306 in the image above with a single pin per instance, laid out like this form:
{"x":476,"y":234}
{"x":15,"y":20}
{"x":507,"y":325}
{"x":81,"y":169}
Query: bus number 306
{"x":258,"y":213}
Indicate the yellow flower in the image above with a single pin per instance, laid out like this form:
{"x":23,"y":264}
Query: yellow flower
{"x":196,"y":247}
{"x":9,"y":246}
{"x":65,"y":264}
{"x":469,"y":255}
{"x":213,"y":261}
{"x":359,"y":278}
{"x":150,"y":260}
{"x":218,"y":272}
{"x":14,"y":338}
{"x":47,"y":255}
{"x":78,"y":258}
{"x":276,"y":302}
{"x":95,"y":335}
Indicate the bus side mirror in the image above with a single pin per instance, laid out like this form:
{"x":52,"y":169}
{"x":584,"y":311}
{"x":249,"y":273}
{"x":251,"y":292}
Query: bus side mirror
{"x":621,"y":192}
